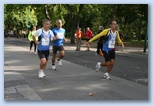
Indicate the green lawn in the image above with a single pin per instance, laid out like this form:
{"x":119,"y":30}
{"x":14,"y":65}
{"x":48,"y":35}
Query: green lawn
{"x":135,"y":43}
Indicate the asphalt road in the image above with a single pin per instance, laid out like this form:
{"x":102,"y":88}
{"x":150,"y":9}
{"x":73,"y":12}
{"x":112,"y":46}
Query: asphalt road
{"x":130,"y":66}
{"x":75,"y":79}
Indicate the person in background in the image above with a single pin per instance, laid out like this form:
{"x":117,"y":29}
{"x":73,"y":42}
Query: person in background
{"x":88,"y":37}
{"x":78,"y":39}
{"x":30,"y":38}
{"x":100,"y":42}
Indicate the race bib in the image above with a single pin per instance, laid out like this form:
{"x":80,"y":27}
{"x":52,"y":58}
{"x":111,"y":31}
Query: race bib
{"x":60,"y":35}
{"x":111,"y":44}
{"x":45,"y":41}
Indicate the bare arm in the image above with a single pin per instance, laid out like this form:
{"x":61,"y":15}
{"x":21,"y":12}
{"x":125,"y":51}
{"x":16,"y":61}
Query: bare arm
{"x":36,"y":42}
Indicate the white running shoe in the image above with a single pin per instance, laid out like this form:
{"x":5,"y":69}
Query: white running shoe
{"x":53,"y":67}
{"x":40,"y":74}
{"x":98,"y":66}
{"x":59,"y":63}
{"x":35,"y":53}
{"x":106,"y":76}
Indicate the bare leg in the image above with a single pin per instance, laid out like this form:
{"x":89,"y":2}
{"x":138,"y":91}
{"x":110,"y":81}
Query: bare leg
{"x":103,"y":64}
{"x":53,"y":58}
{"x":109,"y":65}
{"x":61,"y":54}
{"x":43,"y":63}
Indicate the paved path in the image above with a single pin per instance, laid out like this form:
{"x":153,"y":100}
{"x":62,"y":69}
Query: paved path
{"x":69,"y":82}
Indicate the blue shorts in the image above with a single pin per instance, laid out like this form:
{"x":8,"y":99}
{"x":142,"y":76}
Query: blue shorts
{"x":43,"y":54}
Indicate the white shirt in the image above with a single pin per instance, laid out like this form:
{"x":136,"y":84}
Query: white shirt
{"x":39,"y":32}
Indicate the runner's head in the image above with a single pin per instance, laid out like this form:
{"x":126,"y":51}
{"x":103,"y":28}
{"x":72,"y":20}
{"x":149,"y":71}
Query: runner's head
{"x":78,"y":29}
{"x":59,"y":23}
{"x":46,"y":24}
{"x":34,"y":28}
{"x":101,"y":28}
{"x":88,"y":28}
{"x":113,"y":25}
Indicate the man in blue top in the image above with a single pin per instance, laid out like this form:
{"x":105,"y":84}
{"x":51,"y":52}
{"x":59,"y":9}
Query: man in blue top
{"x":59,"y":33}
{"x":45,"y":35}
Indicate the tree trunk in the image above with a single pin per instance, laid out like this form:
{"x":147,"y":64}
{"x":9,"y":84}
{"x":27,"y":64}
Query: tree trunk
{"x":46,"y":12}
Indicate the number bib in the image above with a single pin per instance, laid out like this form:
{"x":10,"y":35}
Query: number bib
{"x":45,"y":41}
{"x":111,"y":44}
{"x":60,"y":35}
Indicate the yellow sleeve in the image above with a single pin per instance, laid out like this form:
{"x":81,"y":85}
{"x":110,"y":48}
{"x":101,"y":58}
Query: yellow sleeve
{"x":103,"y":33}
{"x":118,"y":39}
{"x":29,"y":36}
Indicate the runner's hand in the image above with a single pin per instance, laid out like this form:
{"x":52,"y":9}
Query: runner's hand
{"x":37,"y":42}
{"x":54,"y":38}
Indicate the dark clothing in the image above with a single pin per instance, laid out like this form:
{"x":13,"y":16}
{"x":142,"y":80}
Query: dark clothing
{"x":31,"y":45}
{"x":78,"y":44}
{"x":57,"y":48}
{"x":99,"y":46}
{"x":100,"y":43}
{"x":108,"y":55}
{"x":43,"y":54}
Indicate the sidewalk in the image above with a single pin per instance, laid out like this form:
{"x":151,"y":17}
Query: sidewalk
{"x":69,"y":82}
{"x":127,"y":49}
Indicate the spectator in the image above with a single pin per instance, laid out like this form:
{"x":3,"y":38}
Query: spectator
{"x":78,"y":39}
{"x":88,"y":37}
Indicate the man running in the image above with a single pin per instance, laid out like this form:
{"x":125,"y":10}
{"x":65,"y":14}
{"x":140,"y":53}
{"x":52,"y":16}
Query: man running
{"x":45,"y":35}
{"x":59,"y":33}
{"x":108,"y":47}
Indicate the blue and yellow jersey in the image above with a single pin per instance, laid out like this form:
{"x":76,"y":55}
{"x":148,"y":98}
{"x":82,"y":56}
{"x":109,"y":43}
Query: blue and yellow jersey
{"x":109,"y":44}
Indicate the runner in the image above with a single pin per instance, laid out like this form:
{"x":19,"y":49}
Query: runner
{"x":30,"y":38}
{"x":108,"y":47}
{"x":45,"y":35}
{"x":59,"y":33}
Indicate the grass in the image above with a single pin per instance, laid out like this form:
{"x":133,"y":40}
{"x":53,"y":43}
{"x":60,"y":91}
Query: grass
{"x":135,"y":43}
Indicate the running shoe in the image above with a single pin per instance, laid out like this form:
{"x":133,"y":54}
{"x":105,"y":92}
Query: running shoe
{"x":53,"y":67}
{"x":40,"y":74}
{"x":59,"y":63}
{"x":35,"y":53}
{"x":98,"y":66}
{"x":106,"y":76}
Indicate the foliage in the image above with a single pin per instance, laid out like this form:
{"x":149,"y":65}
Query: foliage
{"x":131,"y":18}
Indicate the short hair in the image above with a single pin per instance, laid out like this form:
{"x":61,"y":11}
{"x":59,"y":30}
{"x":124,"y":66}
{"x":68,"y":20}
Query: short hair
{"x":45,"y":20}
{"x":58,"y":20}
{"x":111,"y":21}
{"x":101,"y":27}
{"x":78,"y":28}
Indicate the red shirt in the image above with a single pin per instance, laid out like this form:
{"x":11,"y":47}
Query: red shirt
{"x":89,"y":34}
